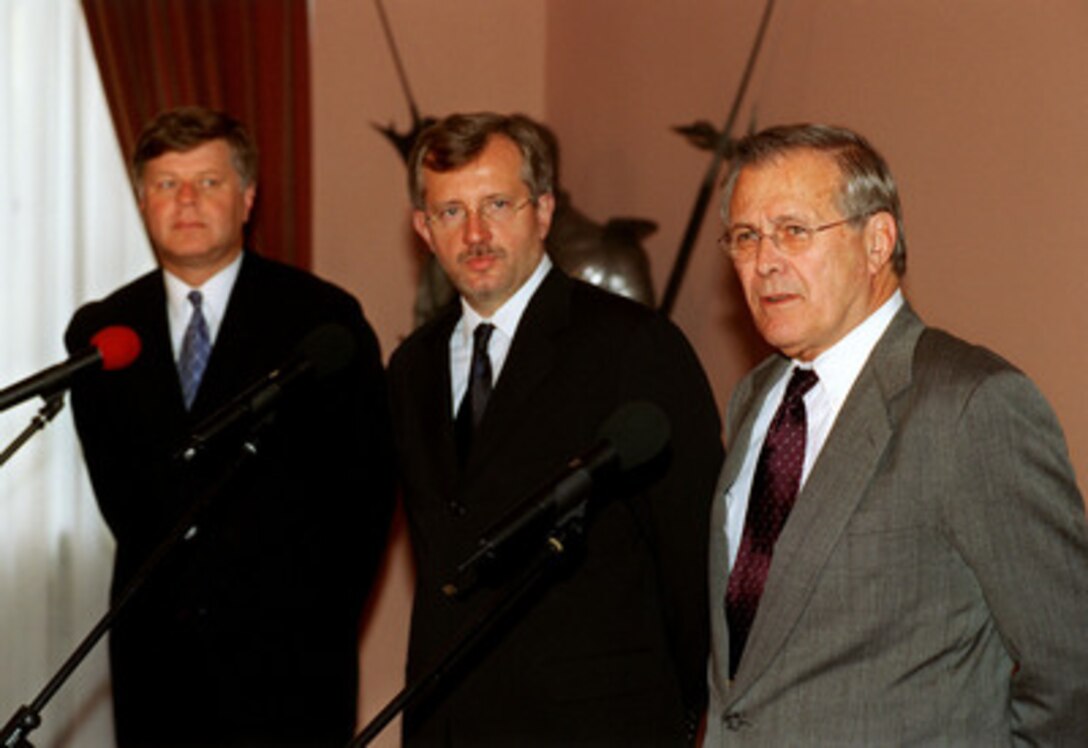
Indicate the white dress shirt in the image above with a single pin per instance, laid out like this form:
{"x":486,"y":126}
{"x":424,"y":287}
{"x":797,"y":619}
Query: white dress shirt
{"x":216,"y":293}
{"x":837,"y":367}
{"x":505,"y":320}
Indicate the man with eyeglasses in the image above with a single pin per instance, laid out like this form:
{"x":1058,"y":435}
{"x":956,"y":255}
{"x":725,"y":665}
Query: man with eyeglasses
{"x":898,"y":547}
{"x":490,"y":401}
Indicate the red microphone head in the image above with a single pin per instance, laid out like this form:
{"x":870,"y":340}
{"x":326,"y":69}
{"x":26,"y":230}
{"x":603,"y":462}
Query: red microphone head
{"x":118,"y":345}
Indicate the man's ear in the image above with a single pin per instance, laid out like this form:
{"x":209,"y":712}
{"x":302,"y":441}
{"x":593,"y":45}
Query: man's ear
{"x":880,"y":237}
{"x":249,"y":196}
{"x":545,"y":211}
{"x":419,"y":223}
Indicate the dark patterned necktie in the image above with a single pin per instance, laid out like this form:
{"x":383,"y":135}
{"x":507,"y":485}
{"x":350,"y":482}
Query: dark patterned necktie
{"x":196,"y":348}
{"x":774,"y":489}
{"x":478,"y":392}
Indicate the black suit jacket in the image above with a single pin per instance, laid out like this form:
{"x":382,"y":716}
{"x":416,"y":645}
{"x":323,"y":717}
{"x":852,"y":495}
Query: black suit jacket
{"x":613,"y":652}
{"x":247,"y":634}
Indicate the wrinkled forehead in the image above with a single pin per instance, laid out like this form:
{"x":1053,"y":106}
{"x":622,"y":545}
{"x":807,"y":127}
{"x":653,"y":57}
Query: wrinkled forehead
{"x":797,"y":183}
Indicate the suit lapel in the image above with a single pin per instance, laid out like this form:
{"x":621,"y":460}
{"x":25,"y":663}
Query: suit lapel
{"x":837,"y":483}
{"x":435,"y":398}
{"x":234,"y":353}
{"x":161,"y":378}
{"x":533,"y":354}
{"x":249,"y":342}
{"x":743,"y":421}
{"x":744,"y":408}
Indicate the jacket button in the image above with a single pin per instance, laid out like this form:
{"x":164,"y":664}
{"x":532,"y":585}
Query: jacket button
{"x":734,"y":721}
{"x":457,"y":509}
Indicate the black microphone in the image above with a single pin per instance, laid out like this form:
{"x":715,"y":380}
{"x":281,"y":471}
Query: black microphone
{"x":326,"y":350}
{"x":111,"y":348}
{"x":633,"y":435}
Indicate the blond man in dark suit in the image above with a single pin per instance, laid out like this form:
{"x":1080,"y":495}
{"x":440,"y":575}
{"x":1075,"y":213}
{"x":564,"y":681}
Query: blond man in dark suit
{"x":246,"y":636}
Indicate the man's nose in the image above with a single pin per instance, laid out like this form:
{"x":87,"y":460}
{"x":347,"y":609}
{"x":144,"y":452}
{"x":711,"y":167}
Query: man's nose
{"x":476,"y":227}
{"x":768,"y":254}
{"x":187,"y":192}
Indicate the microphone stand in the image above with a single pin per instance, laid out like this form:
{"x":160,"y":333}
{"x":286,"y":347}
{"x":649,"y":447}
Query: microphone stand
{"x":53,"y":405}
{"x":568,"y":530}
{"x":27,"y":718}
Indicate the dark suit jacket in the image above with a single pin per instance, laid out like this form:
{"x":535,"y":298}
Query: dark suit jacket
{"x":930,"y":586}
{"x":611,"y":654}
{"x":247,"y":635}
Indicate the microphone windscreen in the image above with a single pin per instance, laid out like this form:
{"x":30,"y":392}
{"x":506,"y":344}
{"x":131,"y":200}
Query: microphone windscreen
{"x":119,"y":346}
{"x":638,"y":432}
{"x":328,"y":349}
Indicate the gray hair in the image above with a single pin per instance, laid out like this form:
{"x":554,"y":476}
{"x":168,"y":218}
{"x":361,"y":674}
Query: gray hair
{"x":867,"y":183}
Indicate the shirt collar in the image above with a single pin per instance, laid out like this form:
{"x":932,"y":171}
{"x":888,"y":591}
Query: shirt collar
{"x":508,"y":316}
{"x":215,"y":291}
{"x":838,"y":367}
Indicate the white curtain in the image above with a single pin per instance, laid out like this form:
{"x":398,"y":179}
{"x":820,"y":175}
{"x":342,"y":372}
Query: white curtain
{"x":69,"y":232}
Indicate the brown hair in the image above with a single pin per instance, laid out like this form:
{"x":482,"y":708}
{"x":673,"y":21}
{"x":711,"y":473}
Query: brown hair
{"x":187,"y":127}
{"x":460,"y":138}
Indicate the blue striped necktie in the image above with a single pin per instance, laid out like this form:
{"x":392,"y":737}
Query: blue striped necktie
{"x":196,"y":347}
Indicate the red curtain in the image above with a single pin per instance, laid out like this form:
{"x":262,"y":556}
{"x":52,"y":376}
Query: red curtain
{"x":246,"y":57}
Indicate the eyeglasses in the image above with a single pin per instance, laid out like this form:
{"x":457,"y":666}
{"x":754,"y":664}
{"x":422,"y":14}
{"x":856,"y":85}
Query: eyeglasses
{"x":741,"y":242}
{"x":495,"y":210}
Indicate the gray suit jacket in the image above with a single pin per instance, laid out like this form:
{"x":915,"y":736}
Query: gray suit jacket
{"x":931,"y":584}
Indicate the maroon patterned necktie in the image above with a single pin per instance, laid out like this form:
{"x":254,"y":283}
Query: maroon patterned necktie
{"x":774,"y":489}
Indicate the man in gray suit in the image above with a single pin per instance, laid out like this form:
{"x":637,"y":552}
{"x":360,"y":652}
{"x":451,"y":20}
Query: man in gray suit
{"x":899,"y":553}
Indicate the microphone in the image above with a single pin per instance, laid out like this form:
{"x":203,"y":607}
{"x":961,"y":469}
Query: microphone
{"x":324,"y":351}
{"x":111,"y":348}
{"x":634,"y":434}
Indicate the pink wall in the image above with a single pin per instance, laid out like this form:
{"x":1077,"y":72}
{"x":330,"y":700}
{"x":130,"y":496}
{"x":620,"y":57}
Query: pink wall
{"x":978,"y":105}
